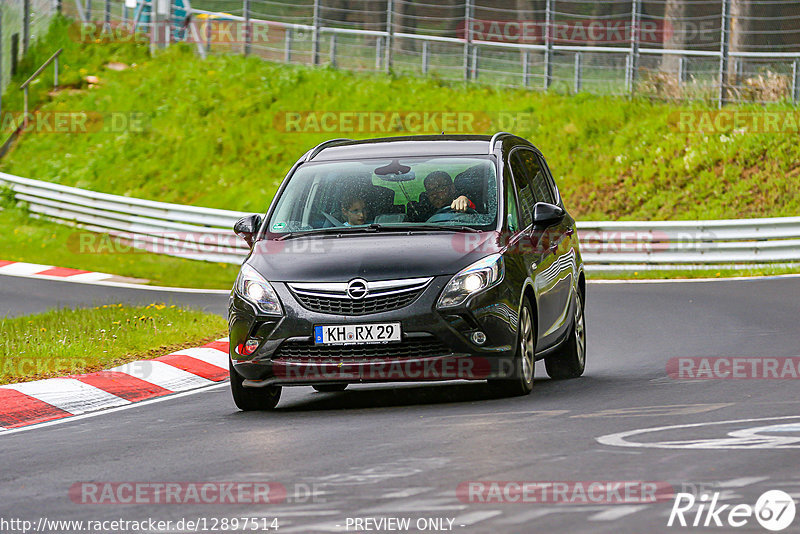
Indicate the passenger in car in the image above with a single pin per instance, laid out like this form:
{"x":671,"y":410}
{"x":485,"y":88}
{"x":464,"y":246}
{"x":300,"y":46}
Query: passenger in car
{"x":441,"y":194}
{"x":354,"y":209}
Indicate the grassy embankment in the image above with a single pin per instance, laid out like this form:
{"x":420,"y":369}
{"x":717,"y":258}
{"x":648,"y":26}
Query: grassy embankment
{"x":214,"y":136}
{"x":66,"y":341}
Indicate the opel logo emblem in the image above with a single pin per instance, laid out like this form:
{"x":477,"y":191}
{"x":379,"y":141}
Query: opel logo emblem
{"x":357,"y":289}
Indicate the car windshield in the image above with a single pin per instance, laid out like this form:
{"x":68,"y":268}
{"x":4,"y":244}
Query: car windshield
{"x":445,"y":191}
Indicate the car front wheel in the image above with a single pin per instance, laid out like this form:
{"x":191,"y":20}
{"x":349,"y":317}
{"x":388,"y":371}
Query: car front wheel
{"x":570,"y":360}
{"x":521,"y":381}
{"x":252,"y":399}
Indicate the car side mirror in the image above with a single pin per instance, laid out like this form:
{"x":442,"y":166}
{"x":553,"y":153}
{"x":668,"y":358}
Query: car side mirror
{"x":544,"y":213}
{"x":247,"y":227}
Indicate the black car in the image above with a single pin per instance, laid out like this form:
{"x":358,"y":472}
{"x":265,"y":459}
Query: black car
{"x":408,"y":259}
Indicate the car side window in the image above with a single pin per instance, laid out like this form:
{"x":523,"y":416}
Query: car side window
{"x":523,"y":188}
{"x":512,"y":214}
{"x":551,"y":183}
{"x":536,"y":176}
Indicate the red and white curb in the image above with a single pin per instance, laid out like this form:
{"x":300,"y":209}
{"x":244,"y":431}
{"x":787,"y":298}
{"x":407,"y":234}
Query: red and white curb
{"x":19,"y":268}
{"x":28,"y":403}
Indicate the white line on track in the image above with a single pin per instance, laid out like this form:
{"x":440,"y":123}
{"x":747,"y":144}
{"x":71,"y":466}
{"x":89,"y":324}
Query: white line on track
{"x":123,"y":284}
{"x":682,"y":280}
{"x":112,"y":410}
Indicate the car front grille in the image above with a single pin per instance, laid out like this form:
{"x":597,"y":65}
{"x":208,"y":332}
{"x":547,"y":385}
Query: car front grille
{"x":331,"y":298}
{"x":306,"y":351}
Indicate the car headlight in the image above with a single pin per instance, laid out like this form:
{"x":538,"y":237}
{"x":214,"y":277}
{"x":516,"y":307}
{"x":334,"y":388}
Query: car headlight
{"x":254,"y":288}
{"x":479,"y":276}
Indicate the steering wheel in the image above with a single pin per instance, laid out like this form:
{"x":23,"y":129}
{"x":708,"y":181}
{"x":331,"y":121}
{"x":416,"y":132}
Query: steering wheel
{"x":440,"y":214}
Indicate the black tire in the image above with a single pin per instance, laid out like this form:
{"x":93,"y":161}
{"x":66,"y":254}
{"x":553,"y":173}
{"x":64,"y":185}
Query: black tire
{"x":252,"y":399}
{"x":329,"y":388}
{"x":521,"y":380}
{"x":570,"y":360}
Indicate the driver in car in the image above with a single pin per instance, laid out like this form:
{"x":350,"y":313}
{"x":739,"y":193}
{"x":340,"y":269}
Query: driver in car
{"x":442,"y":193}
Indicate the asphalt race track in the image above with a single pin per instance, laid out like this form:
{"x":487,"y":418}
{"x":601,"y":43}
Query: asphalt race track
{"x":402,"y":451}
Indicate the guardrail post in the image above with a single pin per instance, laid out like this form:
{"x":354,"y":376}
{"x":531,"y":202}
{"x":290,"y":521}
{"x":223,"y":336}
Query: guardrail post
{"x":26,"y":26}
{"x":467,"y":36}
{"x":474,"y":66}
{"x":425,"y":57}
{"x":548,"y":43}
{"x":633,"y":62}
{"x":681,"y":71}
{"x":55,"y":74}
{"x":107,"y":17}
{"x":578,"y":71}
{"x":1,"y":65}
{"x":25,"y":107}
{"x":723,"y":52}
{"x":287,"y":52}
{"x":247,"y":37}
{"x":315,"y":35}
{"x":333,"y":50}
{"x":525,"y":63}
{"x":389,"y":35}
{"x":58,"y":6}
{"x":378,"y":52}
{"x":87,"y":12}
{"x":208,"y":36}
{"x":738,"y":68}
{"x":796,"y":81}
{"x":14,"y":53}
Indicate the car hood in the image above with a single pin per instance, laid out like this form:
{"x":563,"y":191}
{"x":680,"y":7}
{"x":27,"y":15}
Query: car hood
{"x":378,"y":256}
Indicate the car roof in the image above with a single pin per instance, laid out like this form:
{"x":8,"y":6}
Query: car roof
{"x":413,"y":145}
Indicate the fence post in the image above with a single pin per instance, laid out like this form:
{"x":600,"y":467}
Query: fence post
{"x":14,"y":53}
{"x":796,"y":81}
{"x":474,"y":66}
{"x":107,"y":17}
{"x":247,"y":37}
{"x":738,"y":66}
{"x":333,"y":50}
{"x":578,"y":72}
{"x":633,"y":62}
{"x":315,"y":35}
{"x":389,"y":35}
{"x":378,"y":52}
{"x":467,"y":36}
{"x":287,"y":52}
{"x":55,"y":74}
{"x":87,"y":12}
{"x":681,"y":71}
{"x":548,"y":43}
{"x":425,"y":58}
{"x":26,"y":26}
{"x":58,"y":6}
{"x":723,"y":51}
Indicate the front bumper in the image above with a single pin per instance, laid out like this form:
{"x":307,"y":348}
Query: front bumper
{"x":435,"y":343}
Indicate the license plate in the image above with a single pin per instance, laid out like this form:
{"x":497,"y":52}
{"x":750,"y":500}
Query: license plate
{"x":356,"y":333}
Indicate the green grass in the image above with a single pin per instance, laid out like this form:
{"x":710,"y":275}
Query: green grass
{"x":31,"y":240}
{"x":761,"y":270}
{"x":74,"y":341}
{"x":213,"y":137}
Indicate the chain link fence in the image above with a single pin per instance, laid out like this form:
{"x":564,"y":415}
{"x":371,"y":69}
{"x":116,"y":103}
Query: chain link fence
{"x":720,"y":51}
{"x":710,"y":50}
{"x":21,"y":22}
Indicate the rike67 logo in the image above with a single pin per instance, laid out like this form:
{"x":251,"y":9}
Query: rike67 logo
{"x":774,"y":510}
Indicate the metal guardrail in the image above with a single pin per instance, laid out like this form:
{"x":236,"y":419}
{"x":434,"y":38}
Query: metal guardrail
{"x":206,"y":233}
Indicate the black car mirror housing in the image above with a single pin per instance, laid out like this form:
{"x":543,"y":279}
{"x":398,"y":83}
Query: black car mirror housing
{"x":247,"y":227}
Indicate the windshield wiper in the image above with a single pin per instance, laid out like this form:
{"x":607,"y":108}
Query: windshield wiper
{"x":374,"y":227}
{"x":449,"y":227}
